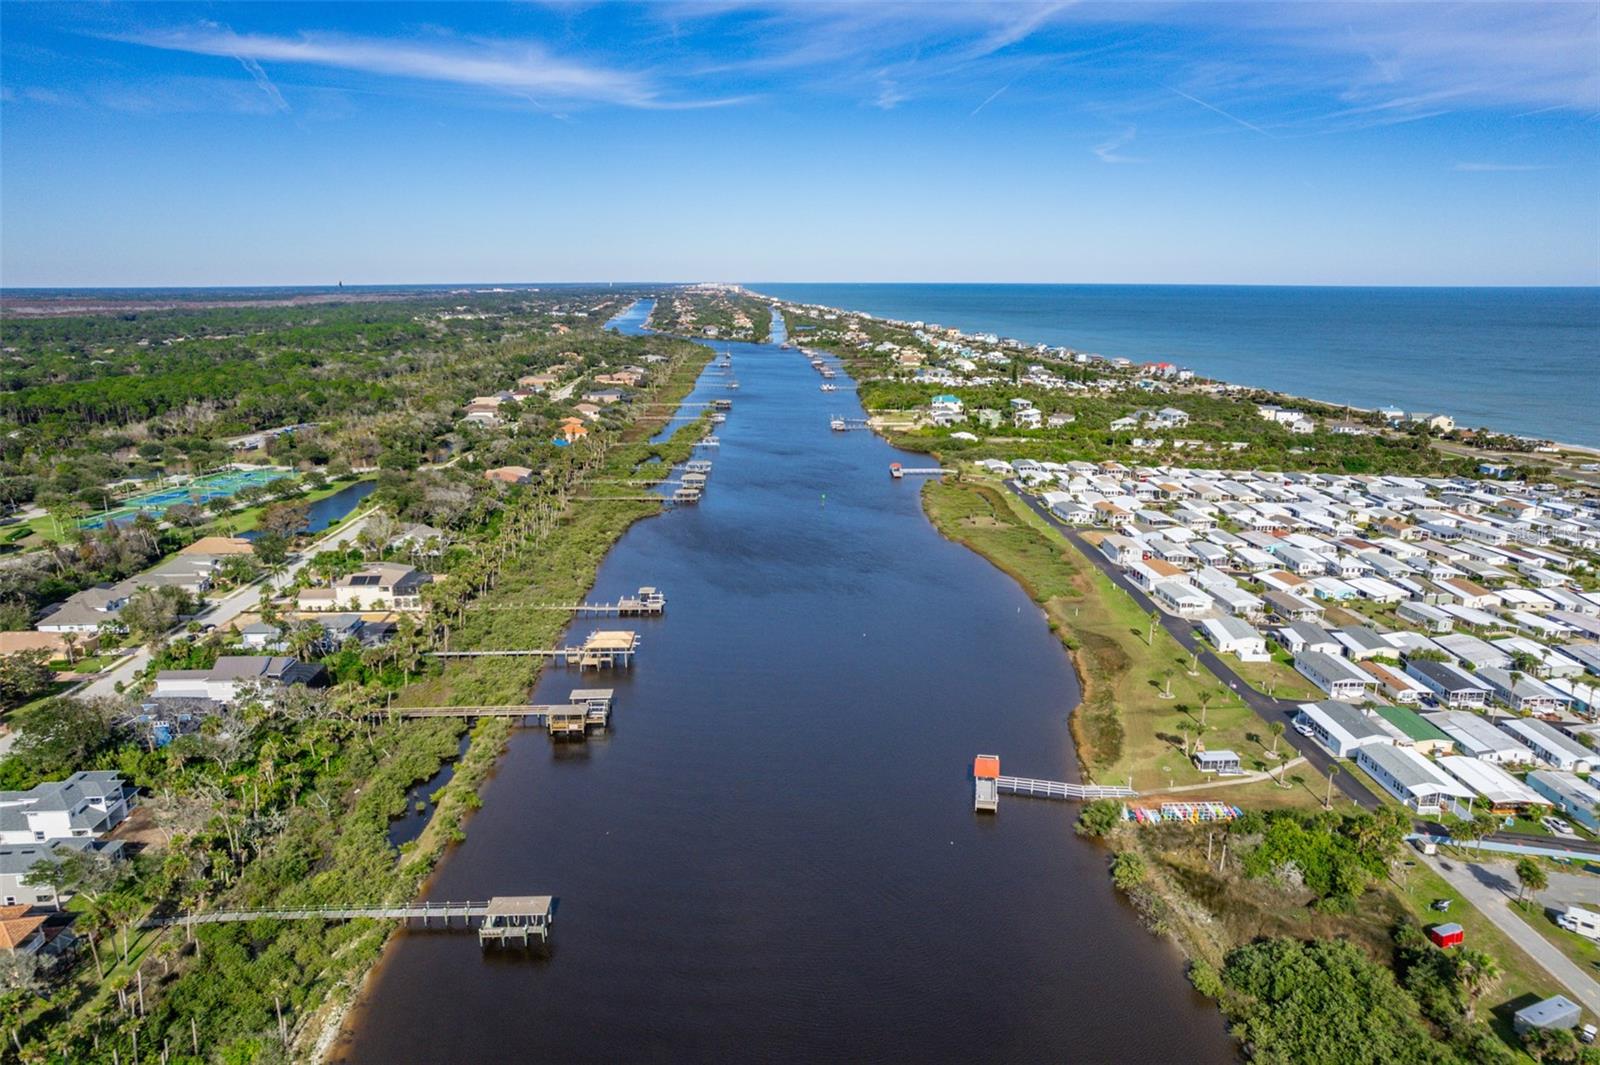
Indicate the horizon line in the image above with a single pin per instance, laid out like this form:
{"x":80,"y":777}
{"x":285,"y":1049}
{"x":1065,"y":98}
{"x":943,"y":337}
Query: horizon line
{"x":637,"y":283}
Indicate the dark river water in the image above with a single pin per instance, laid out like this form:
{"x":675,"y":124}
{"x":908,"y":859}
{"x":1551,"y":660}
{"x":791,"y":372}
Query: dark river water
{"x":773,"y":855}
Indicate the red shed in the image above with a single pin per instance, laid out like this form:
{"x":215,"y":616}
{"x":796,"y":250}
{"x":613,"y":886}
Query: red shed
{"x":1447,"y":935}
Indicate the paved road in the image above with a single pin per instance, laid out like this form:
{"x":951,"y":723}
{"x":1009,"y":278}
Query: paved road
{"x":1490,"y":891}
{"x":1266,"y":708}
{"x":219,"y":613}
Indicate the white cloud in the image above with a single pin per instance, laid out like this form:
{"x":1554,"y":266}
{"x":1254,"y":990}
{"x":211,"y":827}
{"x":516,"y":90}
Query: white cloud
{"x":1497,"y":168}
{"x":1111,"y":151}
{"x":521,"y":69}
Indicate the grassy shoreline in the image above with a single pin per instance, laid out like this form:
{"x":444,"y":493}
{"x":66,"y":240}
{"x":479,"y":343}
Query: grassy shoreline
{"x":1187,"y":889}
{"x":563,"y":568}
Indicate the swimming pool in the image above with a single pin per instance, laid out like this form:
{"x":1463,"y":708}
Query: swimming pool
{"x":200,"y":490}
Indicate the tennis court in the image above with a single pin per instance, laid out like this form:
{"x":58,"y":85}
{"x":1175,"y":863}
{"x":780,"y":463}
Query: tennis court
{"x":198,"y":491}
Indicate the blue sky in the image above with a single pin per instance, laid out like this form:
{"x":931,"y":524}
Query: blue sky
{"x":1231,"y":143}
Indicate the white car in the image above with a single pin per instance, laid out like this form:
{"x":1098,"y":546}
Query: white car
{"x":1558,"y":826}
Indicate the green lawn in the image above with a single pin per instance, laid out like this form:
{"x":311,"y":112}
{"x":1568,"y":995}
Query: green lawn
{"x":1524,"y":980}
{"x":1142,"y":695}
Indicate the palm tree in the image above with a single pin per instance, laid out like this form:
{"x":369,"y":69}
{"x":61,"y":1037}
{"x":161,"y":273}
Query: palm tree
{"x":1276,"y":728}
{"x":304,"y":639}
{"x":1333,"y":771}
{"x":1531,"y":876}
{"x":1476,"y":972}
{"x":70,"y":641}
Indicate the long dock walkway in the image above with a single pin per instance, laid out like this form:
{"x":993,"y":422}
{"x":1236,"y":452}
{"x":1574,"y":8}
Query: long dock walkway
{"x":602,"y":650}
{"x":504,"y":918}
{"x":646,"y":602}
{"x":1057,"y":789}
{"x":586,"y":708}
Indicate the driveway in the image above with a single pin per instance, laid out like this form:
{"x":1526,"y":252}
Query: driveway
{"x":1490,"y":888}
{"x":222,"y":611}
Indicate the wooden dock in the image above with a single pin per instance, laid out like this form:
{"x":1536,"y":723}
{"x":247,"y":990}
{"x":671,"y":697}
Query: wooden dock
{"x":585,"y":709}
{"x":646,"y":602}
{"x":988,"y":785}
{"x":840,"y":424}
{"x":604,"y":649}
{"x":503,"y":919}
{"x":898,"y":471}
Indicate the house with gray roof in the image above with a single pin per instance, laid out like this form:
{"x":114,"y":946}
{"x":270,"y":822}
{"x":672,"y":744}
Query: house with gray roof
{"x":88,"y":803}
{"x":223,"y":682}
{"x":17,"y":861}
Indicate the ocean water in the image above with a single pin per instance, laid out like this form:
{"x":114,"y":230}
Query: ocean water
{"x":1521,"y":360}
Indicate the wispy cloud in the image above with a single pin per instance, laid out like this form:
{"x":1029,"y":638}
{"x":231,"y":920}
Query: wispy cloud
{"x":1225,"y":114}
{"x":264,"y":83}
{"x":524,"y":69}
{"x":1111,"y":151}
{"x":1498,"y":168}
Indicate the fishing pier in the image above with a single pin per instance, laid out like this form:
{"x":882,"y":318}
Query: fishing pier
{"x":605,"y":649}
{"x":502,"y":920}
{"x":841,"y":424}
{"x":585,"y":709}
{"x":898,"y":471}
{"x":989,"y":785}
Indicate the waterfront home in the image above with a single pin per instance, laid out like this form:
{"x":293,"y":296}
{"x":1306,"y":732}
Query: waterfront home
{"x":603,"y":396}
{"x":1477,"y":737}
{"x":86,"y":804}
{"x":376,"y":586}
{"x":1411,"y":729}
{"x":1411,"y":778}
{"x":509,"y":474}
{"x":20,"y":885}
{"x":1123,"y":551}
{"x":1550,"y":745}
{"x":1339,"y":727}
{"x":1232,"y":636}
{"x":1572,"y":795}
{"x":1503,"y":793}
{"x":1451,"y":686}
{"x":233,"y":674}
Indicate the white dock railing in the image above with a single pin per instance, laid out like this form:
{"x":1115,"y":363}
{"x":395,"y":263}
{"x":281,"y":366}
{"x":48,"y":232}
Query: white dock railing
{"x":1056,"y":789}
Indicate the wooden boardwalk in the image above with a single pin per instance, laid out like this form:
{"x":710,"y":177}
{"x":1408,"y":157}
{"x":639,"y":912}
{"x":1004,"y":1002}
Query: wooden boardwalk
{"x":502,"y":919}
{"x":602,"y":650}
{"x":646,"y":602}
